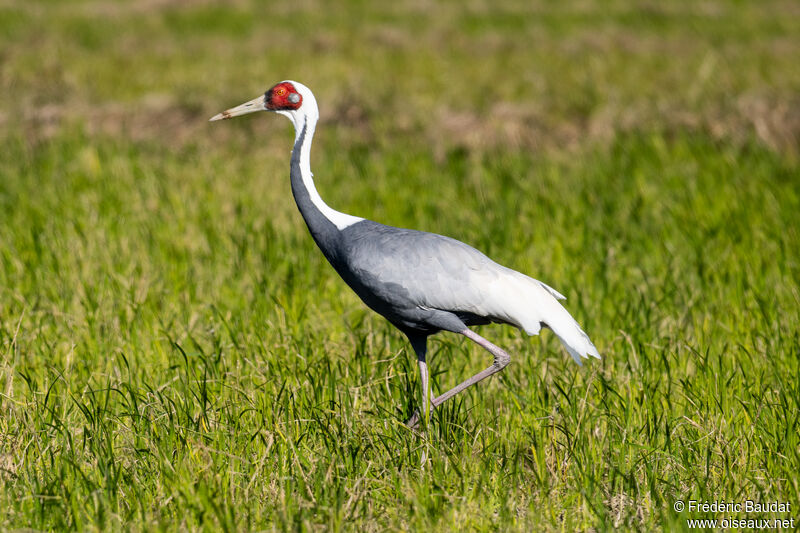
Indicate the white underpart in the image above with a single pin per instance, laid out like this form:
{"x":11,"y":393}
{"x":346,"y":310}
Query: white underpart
{"x":308,"y":115}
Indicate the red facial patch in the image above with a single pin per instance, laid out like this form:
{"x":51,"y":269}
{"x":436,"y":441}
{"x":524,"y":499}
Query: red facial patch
{"x":283,"y":96}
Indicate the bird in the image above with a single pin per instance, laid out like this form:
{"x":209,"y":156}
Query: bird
{"x":422,"y":283}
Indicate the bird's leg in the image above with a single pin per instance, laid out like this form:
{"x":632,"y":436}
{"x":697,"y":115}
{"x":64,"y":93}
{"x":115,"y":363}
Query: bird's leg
{"x":423,"y":377}
{"x":501,"y":359}
{"x":420,"y":345}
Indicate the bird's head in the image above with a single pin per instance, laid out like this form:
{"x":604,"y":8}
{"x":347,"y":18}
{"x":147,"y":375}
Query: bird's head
{"x":288,"y":98}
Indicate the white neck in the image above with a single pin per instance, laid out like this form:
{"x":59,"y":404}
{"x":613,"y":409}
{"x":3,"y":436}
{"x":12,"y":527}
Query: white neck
{"x":307,"y":116}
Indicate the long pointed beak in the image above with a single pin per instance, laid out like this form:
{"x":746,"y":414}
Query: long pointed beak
{"x":256,"y":104}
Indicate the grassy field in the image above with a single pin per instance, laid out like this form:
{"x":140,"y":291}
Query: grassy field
{"x":175,"y":353}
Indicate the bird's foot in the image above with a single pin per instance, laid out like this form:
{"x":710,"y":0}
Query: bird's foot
{"x":413,"y":422}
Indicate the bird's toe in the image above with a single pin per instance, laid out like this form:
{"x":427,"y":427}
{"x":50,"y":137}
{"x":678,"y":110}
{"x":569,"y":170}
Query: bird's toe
{"x":413,"y":422}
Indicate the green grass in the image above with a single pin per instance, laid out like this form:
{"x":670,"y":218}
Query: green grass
{"x":176,"y":354}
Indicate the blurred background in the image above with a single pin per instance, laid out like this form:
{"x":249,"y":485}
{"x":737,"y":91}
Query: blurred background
{"x":482,"y":75}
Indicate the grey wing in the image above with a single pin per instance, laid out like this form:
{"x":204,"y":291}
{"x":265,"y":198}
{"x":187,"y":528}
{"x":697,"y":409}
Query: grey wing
{"x":396,"y":271}
{"x":414,"y":268}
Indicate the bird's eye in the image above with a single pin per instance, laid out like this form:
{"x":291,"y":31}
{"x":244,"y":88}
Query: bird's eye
{"x":281,"y":91}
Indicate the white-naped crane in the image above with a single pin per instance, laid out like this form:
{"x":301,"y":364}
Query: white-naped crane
{"x":421,"y":282}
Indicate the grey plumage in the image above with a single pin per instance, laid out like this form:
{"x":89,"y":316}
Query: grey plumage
{"x":421,"y":282}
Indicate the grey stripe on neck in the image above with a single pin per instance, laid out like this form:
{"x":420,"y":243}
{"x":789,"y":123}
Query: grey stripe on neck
{"x":322,"y":229}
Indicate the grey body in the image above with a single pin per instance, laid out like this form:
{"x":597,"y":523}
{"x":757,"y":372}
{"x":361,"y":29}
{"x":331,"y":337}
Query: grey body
{"x":421,"y":282}
{"x":394,"y":270}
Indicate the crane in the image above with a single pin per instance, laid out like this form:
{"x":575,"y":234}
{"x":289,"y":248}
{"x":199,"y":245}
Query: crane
{"x":422,"y":283}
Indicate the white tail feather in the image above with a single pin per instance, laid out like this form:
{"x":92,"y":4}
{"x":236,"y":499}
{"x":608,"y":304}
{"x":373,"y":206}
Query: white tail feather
{"x":529,"y":304}
{"x":551,"y":290}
